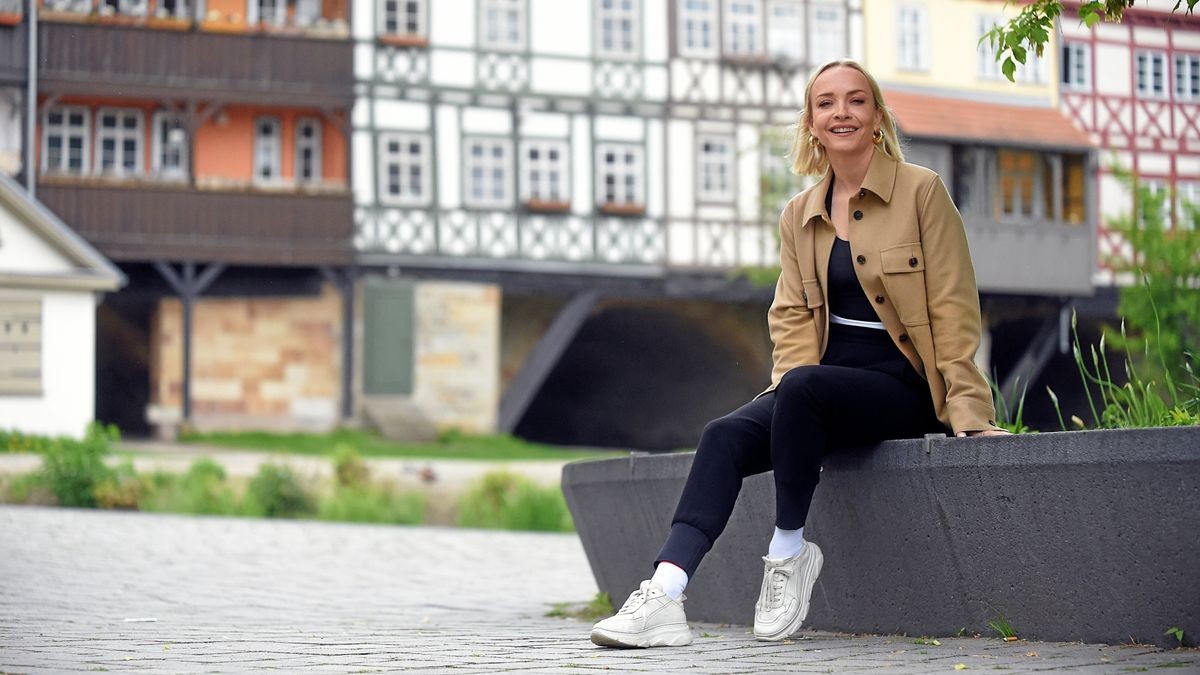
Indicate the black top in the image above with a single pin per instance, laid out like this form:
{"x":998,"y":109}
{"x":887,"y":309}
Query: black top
{"x":845,"y":296}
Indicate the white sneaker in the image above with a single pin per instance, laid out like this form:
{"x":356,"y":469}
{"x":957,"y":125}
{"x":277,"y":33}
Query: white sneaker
{"x":786,"y":589}
{"x":649,"y":618}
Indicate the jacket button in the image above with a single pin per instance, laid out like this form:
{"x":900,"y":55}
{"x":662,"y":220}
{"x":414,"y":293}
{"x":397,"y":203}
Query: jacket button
{"x":879,"y":299}
{"x":858,"y":215}
{"x":912,"y":262}
{"x":862,"y":193}
{"x":804,"y":295}
{"x":862,"y":259}
{"x":904,"y":337}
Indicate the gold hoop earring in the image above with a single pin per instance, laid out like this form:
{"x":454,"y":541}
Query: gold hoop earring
{"x":813,"y":142}
{"x":877,"y":136}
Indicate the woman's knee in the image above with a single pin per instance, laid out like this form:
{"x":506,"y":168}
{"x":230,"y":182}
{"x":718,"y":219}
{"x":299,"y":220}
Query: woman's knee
{"x":798,"y":383}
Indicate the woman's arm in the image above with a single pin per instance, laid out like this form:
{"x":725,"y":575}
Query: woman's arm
{"x":790,"y":320}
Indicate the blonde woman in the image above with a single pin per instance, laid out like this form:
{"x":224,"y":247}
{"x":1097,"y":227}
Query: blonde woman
{"x":875,"y":325}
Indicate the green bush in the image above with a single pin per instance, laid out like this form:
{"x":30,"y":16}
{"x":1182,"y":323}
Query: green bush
{"x":503,"y":500}
{"x":372,"y":504}
{"x":349,"y":468}
{"x":275,"y":492}
{"x":122,"y":489}
{"x":202,"y":490}
{"x":72,"y":469}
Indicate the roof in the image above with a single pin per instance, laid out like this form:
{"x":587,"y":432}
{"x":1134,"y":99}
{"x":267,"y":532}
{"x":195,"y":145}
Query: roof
{"x":961,"y":119}
{"x":92,"y":271}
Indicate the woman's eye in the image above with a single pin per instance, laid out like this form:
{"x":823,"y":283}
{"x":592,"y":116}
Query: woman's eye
{"x":823,"y":104}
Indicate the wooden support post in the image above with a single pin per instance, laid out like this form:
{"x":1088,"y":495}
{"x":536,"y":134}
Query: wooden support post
{"x":344,"y":280}
{"x":189,"y":286}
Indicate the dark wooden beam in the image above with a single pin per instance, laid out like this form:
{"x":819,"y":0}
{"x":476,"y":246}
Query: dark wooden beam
{"x":344,"y":280}
{"x":189,"y":285}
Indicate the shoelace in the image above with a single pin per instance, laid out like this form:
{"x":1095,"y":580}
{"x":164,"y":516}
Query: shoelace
{"x":779,"y":576}
{"x":636,"y":599}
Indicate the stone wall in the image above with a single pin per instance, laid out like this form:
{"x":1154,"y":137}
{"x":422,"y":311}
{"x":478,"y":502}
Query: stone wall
{"x":272,"y":363}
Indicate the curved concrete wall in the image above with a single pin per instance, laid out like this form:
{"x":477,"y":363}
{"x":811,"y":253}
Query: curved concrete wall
{"x":1091,"y":536}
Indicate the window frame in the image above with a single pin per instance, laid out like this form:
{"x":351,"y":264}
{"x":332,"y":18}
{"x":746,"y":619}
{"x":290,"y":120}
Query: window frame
{"x":254,"y":15}
{"x":11,"y":347}
{"x":503,"y":42}
{"x":1080,"y":53}
{"x":701,"y":18}
{"x":136,"y":8}
{"x":119,"y":134}
{"x":638,"y":172}
{"x":1187,"y":190}
{"x":818,"y":38}
{"x":1190,"y":62}
{"x":1036,"y":187}
{"x":753,"y":32}
{"x":786,"y":32}
{"x":316,"y":143}
{"x":707,"y":163}
{"x":988,"y":68}
{"x":1148,"y":92}
{"x":634,"y":15}
{"x":419,"y":12}
{"x":546,"y":167}
{"x":275,"y":157}
{"x":404,"y":167}
{"x":912,"y":27}
{"x":85,"y":149}
{"x":157,"y":146}
{"x":488,"y":162}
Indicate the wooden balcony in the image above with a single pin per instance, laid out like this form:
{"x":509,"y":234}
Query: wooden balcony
{"x":139,"y":221}
{"x":141,"y":62}
{"x":13,"y":54}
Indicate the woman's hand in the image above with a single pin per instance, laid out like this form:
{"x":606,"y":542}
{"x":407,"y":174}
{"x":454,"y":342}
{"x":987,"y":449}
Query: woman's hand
{"x":984,"y":432}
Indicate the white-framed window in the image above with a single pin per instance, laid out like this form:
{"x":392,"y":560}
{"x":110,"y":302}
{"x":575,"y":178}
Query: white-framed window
{"x":1187,"y":77}
{"x":697,"y":27}
{"x":173,"y":9}
{"x":620,"y":174}
{"x":1159,"y":192}
{"x":271,"y":12}
{"x":1187,"y":203}
{"x":20,"y":347}
{"x":785,"y":29}
{"x":404,"y":166}
{"x":715,"y":161}
{"x":307,"y":12}
{"x":1151,"y":73}
{"x":1020,"y":181}
{"x":743,"y":27}
{"x":65,"y":133}
{"x":119,"y":141}
{"x":1076,"y":66}
{"x":69,"y":6}
{"x":308,"y":150}
{"x":545,"y":176}
{"x":826,"y":32}
{"x":487,"y":164}
{"x":403,"y":17}
{"x":1033,"y":71}
{"x":617,"y":28}
{"x":268,"y":150}
{"x":912,"y":27}
{"x":170,"y":147}
{"x":123,"y":7}
{"x":502,"y":24}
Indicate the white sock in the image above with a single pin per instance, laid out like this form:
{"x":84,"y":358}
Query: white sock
{"x":786,"y":543}
{"x":672,"y":578}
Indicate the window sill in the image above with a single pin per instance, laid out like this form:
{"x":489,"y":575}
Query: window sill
{"x":11,"y":18}
{"x":64,"y":17}
{"x":544,"y":206}
{"x":143,"y":181}
{"x":406,"y":40}
{"x":169,"y":23}
{"x":622,"y":210}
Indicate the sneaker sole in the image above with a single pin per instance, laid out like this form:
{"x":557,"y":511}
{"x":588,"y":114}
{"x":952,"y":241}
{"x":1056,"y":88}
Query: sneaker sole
{"x":671,"y":635}
{"x":811,"y":571}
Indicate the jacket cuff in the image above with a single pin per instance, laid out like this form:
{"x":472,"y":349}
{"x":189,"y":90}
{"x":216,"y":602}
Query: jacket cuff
{"x":970,"y":415}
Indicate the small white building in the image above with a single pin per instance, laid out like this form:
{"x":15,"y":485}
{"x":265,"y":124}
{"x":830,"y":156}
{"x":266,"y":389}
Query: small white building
{"x":49,"y":282}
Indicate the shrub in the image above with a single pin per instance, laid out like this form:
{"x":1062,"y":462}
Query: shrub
{"x":73,"y":469}
{"x":349,"y":468}
{"x":275,"y":492}
{"x":369,"y":504}
{"x":121,"y":489}
{"x":503,"y":500}
{"x":201,"y":490}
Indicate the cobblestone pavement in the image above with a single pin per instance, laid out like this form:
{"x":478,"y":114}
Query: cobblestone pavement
{"x":96,"y":591}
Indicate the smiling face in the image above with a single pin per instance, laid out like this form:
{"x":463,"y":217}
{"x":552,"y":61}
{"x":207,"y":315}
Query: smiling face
{"x":844,"y":114}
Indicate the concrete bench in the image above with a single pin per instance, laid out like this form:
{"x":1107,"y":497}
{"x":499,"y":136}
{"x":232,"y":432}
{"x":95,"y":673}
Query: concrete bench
{"x":1089,"y":535}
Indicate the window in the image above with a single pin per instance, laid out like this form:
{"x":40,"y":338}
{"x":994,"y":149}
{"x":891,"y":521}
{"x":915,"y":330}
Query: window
{"x":912,"y":27}
{"x":619,"y":174}
{"x":1019,"y":174}
{"x":403,"y":17}
{"x":1156,"y":195}
{"x":1151,"y":74}
{"x":785,"y":29}
{"x":545,"y":177}
{"x":170,"y":158}
{"x":715,"y":159}
{"x":697,"y":23}
{"x":73,"y":6}
{"x":1187,"y":199}
{"x":988,"y":68}
{"x":119,"y":141}
{"x":308,"y":150}
{"x":125,"y":7}
{"x":1187,"y":77}
{"x":827,"y":33}
{"x":404,"y":170}
{"x":272,"y":12}
{"x":178,"y":9}
{"x":616,"y":22}
{"x":21,"y":347}
{"x":487,"y":171}
{"x":268,"y":150}
{"x":307,"y":12}
{"x":743,"y":27}
{"x":65,"y":140}
{"x":1074,"y":194}
{"x":779,"y":184}
{"x":1076,"y":66}
{"x":502,"y":24}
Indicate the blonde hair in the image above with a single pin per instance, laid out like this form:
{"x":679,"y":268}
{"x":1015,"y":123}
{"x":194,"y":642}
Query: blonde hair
{"x":808,"y":156}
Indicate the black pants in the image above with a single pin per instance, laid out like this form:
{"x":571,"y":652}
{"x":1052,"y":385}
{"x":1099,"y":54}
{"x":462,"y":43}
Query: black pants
{"x":863,"y":392}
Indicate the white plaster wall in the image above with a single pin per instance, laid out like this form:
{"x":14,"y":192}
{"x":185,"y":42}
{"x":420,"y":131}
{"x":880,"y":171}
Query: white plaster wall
{"x":486,"y":121}
{"x":655,"y":198}
{"x":654,"y":83}
{"x":1112,"y":61}
{"x":1115,"y":200}
{"x":452,"y":68}
{"x":619,"y":129}
{"x":1154,"y":163}
{"x":1186,"y":39}
{"x":390,"y":114}
{"x":364,"y":61}
{"x":748,"y":165}
{"x":544,"y":125}
{"x":67,"y":403}
{"x":561,"y":27}
{"x":452,"y":23}
{"x":1112,"y":31}
{"x":582,"y":197}
{"x":1149,"y":37}
{"x":363,"y":18}
{"x":1187,"y":165}
{"x":363,"y":176}
{"x":449,"y":152}
{"x":681,"y":169}
{"x":21,"y":250}
{"x":560,"y":76}
{"x":655,"y":47}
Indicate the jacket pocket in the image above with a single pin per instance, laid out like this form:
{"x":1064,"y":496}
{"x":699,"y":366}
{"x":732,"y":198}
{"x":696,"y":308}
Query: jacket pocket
{"x":904,"y":278}
{"x":813,"y":297}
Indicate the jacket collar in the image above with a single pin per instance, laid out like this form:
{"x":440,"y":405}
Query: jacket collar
{"x":880,"y":179}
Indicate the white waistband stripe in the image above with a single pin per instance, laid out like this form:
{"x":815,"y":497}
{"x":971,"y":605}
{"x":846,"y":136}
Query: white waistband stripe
{"x":834,"y":318}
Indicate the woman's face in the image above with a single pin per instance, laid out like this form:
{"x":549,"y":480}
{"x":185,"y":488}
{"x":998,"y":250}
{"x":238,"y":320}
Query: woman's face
{"x":844,"y":115}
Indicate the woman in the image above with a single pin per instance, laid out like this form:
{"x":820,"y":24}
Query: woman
{"x":875,"y":323}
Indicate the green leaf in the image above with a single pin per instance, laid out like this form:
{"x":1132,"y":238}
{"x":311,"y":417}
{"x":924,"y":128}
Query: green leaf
{"x":1019,"y":54}
{"x":1009,"y":68}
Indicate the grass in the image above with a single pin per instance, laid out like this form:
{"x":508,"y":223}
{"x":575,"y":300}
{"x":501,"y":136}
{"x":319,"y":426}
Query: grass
{"x":1002,"y":626}
{"x":450,"y":445}
{"x":593,"y":610}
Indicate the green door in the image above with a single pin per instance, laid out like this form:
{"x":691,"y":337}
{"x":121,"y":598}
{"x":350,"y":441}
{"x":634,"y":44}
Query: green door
{"x":388,"y":350}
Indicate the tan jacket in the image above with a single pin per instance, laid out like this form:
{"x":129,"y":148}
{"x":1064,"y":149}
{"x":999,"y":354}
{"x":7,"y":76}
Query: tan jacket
{"x":910,"y":252}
